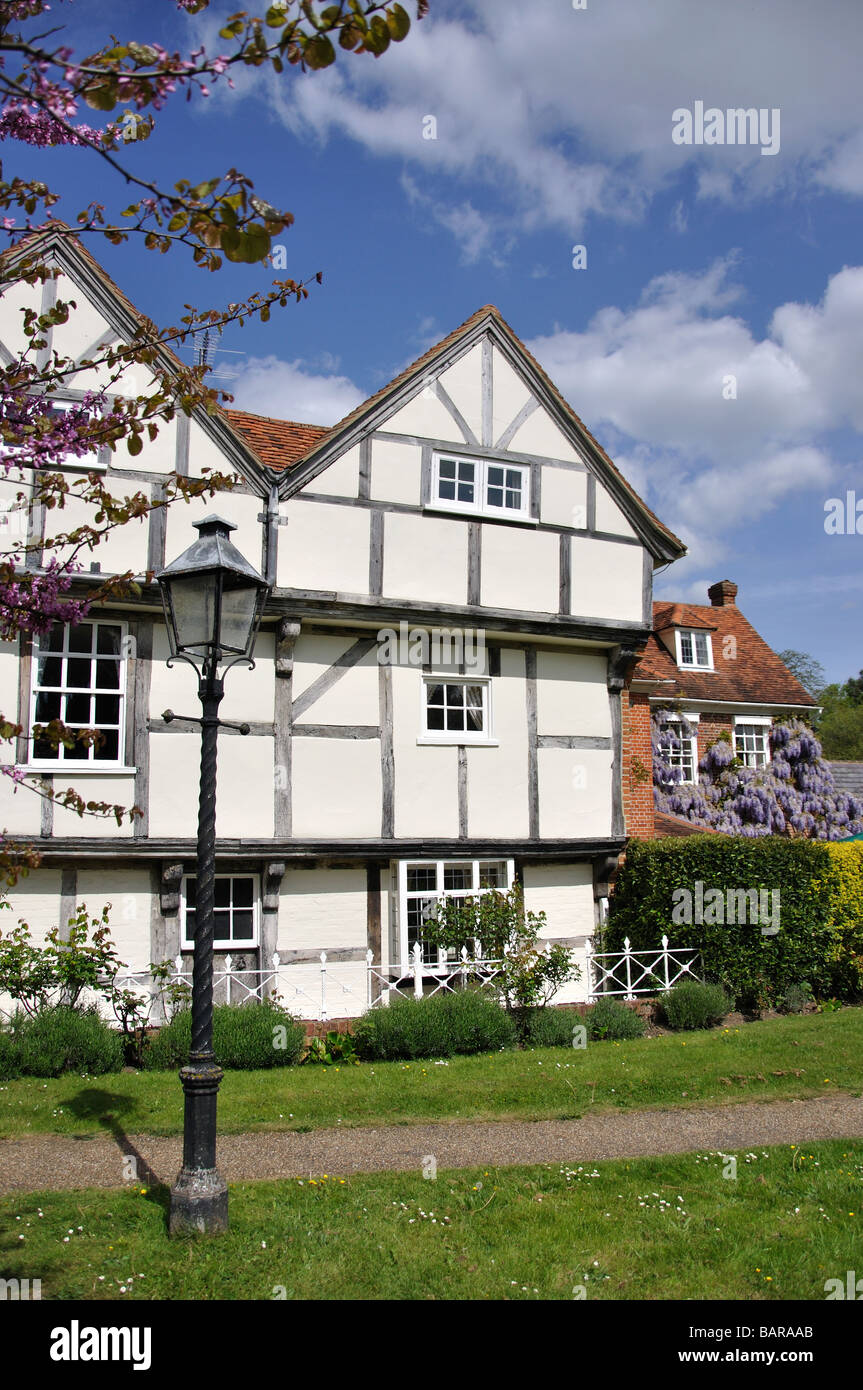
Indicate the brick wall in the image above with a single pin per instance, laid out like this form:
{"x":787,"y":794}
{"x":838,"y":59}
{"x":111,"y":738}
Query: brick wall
{"x":637,"y":765}
{"x":710,"y":726}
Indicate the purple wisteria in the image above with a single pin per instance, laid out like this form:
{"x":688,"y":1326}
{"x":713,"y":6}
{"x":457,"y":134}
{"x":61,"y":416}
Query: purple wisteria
{"x":794,"y":794}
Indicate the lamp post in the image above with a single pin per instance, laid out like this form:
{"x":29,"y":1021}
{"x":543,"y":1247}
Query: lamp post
{"x":213,"y":601}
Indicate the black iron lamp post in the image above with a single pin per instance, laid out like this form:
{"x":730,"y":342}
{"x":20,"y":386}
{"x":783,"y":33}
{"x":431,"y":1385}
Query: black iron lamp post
{"x":213,"y":602}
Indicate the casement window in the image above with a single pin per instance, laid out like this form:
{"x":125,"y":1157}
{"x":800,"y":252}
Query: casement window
{"x":752,"y":741}
{"x":481,"y":486}
{"x":423,"y":882}
{"x":96,"y":459}
{"x":456,"y":711}
{"x":79,"y":677}
{"x":236,"y":915}
{"x":694,"y":650}
{"x":686,"y":756}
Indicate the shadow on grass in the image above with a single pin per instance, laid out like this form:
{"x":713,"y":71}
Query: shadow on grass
{"x":108,"y":1108}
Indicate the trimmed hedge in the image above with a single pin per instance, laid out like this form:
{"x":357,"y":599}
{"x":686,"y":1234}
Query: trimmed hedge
{"x":694,"y":1005}
{"x":820,"y":938}
{"x":845,"y":889}
{"x":245,"y":1038}
{"x":63,"y":1039}
{"x":444,"y":1025}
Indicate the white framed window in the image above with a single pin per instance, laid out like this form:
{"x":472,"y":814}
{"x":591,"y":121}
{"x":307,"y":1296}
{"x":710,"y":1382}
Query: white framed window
{"x":96,"y":459}
{"x":752,"y":740}
{"x":456,"y":710}
{"x":79,"y":677}
{"x":481,"y":486}
{"x":694,"y":650}
{"x":423,"y":882}
{"x":236,"y":916}
{"x":686,"y":756}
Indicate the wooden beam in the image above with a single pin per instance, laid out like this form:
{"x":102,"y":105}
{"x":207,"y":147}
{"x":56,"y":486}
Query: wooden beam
{"x":334,"y":673}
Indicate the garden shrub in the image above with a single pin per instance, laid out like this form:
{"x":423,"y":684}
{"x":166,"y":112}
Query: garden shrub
{"x":10,"y":1066}
{"x":551,"y":1027}
{"x":754,"y":969}
{"x":694,"y":1005}
{"x":441,"y":1026}
{"x":794,"y":999}
{"x":609,"y":1019}
{"x":62,"y":1039}
{"x":245,"y":1038}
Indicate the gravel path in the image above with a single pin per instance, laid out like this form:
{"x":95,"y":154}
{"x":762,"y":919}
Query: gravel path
{"x":36,"y":1162}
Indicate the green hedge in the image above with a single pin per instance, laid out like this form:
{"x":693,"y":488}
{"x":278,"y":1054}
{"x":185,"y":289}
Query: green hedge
{"x":442,"y":1025}
{"x":64,"y":1039}
{"x":814,"y":940}
{"x":246,"y":1037}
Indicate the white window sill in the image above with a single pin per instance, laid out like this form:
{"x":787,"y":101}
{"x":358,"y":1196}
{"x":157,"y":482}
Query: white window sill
{"x":682,"y":667}
{"x":71,"y":769}
{"x":481,"y":514}
{"x":429,"y":741}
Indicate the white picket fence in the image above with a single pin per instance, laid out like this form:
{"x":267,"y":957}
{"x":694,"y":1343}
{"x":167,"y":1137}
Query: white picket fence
{"x":325,"y":989}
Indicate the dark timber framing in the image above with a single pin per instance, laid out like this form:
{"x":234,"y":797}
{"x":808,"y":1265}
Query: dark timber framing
{"x":374,"y":939}
{"x":286,"y":637}
{"x":474,"y":564}
{"x":532,"y":743}
{"x":487,"y":389}
{"x":462,"y":793}
{"x":565,"y":597}
{"x":339,"y":668}
{"x":69,"y":899}
{"x":388,"y":767}
{"x":137,"y":746}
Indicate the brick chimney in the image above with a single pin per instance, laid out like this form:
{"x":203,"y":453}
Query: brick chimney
{"x":723,"y":594}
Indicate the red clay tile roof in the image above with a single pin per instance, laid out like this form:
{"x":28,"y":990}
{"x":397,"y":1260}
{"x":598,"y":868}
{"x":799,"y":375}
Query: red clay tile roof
{"x":679,"y":615}
{"x":664,"y":825}
{"x":279,"y":443}
{"x":750,"y":673}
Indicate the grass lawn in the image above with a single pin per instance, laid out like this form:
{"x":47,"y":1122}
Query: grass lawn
{"x":776,"y":1059}
{"x":638,"y":1229}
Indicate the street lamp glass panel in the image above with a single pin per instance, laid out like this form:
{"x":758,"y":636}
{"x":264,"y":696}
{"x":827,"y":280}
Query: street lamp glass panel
{"x":239,"y":610}
{"x":194,"y":606}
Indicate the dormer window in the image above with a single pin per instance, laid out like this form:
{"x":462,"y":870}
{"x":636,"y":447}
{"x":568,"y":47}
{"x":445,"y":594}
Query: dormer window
{"x":481,"y":486}
{"x":694,"y":650}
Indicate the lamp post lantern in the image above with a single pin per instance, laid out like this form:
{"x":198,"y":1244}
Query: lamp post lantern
{"x":213,"y":601}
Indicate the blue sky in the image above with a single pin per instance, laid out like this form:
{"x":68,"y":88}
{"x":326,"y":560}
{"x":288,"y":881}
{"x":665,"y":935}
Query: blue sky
{"x":703,"y":261}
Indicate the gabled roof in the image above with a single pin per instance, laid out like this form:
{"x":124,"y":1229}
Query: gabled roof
{"x":58,"y":240}
{"x":746,"y":670}
{"x":662,"y":542}
{"x":299,"y":452}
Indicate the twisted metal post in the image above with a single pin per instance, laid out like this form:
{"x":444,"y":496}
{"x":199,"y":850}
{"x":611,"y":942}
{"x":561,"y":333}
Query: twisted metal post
{"x":199,"y":1197}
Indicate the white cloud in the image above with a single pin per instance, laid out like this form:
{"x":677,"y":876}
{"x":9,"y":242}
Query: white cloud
{"x":560,"y":115}
{"x":649,"y":381}
{"x":290,"y":391}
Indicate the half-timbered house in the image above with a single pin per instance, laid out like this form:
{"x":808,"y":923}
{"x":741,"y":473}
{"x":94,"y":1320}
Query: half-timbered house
{"x":462,"y":583}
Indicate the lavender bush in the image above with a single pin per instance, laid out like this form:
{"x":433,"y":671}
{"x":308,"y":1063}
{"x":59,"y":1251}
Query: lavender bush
{"x":794,"y":795}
